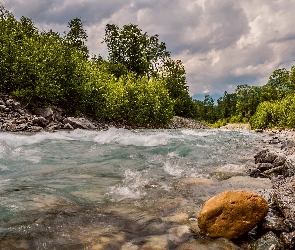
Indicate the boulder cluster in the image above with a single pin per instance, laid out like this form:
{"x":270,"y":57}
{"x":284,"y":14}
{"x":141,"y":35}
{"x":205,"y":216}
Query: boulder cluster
{"x":243,"y":215}
{"x":15,"y":118}
{"x":280,"y":168}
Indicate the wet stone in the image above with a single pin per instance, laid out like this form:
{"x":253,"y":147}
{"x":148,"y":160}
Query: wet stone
{"x":208,"y":244}
{"x":156,"y":243}
{"x":288,"y":239}
{"x":269,"y":241}
{"x":231,"y":214}
{"x":274,"y":223}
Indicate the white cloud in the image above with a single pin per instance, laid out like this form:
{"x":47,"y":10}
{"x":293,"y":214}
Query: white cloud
{"x":222,"y":43}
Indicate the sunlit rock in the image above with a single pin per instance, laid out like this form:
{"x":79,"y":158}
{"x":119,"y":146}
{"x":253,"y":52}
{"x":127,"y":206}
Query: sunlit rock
{"x":81,"y":123}
{"x":195,"y":181}
{"x":109,"y":242}
{"x":231,"y":214}
{"x":156,"y":243}
{"x":229,"y":170}
{"x":178,"y":218}
{"x":129,"y":246}
{"x":178,"y":234}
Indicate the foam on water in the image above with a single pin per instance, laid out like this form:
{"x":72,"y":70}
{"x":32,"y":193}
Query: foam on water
{"x":173,"y":169}
{"x":122,"y":161}
{"x":132,"y":186}
{"x":132,"y":137}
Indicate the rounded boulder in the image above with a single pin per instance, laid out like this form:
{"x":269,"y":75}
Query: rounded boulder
{"x":231,"y":214}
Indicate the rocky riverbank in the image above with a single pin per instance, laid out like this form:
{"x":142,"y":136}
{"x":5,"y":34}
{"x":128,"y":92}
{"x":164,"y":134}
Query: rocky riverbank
{"x":274,"y":162}
{"x":277,"y":162}
{"x":14,"y":117}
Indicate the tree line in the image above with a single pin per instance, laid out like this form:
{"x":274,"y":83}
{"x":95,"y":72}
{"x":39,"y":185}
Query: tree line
{"x":268,"y":106}
{"x":137,"y":84}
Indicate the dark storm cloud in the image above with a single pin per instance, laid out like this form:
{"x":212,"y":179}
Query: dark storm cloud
{"x":61,"y":11}
{"x":285,"y":38}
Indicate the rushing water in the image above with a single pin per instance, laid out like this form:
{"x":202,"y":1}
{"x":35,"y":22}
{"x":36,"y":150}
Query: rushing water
{"x":115,"y":189}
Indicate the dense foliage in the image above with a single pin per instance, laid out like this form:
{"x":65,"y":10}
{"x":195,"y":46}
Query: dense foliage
{"x":271,"y":105}
{"x":138,"y":84}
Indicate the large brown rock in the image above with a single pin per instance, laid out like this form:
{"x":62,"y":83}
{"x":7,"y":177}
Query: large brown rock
{"x":231,"y":214}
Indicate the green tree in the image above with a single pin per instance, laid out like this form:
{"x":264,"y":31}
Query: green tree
{"x":209,"y":109}
{"x":77,"y":36}
{"x":140,"y":53}
{"x":278,"y":86}
{"x":175,"y":78}
{"x":226,"y":105}
{"x":248,"y":98}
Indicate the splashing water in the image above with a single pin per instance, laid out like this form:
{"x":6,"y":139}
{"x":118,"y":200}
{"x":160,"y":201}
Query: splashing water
{"x":70,"y":189}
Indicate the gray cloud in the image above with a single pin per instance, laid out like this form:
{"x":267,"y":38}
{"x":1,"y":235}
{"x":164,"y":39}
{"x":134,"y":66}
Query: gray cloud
{"x":222,"y":43}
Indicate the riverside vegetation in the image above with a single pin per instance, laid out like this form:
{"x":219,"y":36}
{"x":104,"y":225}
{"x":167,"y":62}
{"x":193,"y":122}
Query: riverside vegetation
{"x":138,"y":84}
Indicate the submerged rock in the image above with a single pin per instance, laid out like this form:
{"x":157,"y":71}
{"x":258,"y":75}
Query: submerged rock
{"x":231,"y":214}
{"x":208,"y":244}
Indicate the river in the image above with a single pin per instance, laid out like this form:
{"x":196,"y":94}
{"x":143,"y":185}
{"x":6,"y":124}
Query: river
{"x":116,"y":189}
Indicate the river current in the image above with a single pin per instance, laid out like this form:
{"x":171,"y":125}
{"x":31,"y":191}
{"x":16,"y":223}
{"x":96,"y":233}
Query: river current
{"x":115,"y":189}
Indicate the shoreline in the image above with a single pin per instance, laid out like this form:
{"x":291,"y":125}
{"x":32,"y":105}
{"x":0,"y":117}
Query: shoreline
{"x":14,"y":117}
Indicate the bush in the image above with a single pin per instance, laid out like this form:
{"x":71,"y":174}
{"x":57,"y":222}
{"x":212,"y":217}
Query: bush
{"x":138,"y":101}
{"x":280,"y":113}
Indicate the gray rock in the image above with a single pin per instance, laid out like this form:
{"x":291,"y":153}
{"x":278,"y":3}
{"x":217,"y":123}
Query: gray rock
{"x":284,"y":198}
{"x":274,"y":223}
{"x":264,"y":166}
{"x":287,"y":144}
{"x":9,"y":102}
{"x":269,"y":241}
{"x":274,"y":140}
{"x":288,"y":239}
{"x":45,"y":112}
{"x":81,"y":123}
{"x":40,"y":121}
{"x":275,"y":170}
{"x":279,"y":160}
{"x":289,"y":166}
{"x":68,"y":126}
{"x":15,"y":105}
{"x":265,"y":156}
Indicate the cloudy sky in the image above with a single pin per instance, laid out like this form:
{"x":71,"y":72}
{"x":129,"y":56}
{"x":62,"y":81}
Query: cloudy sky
{"x":223,"y":43}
